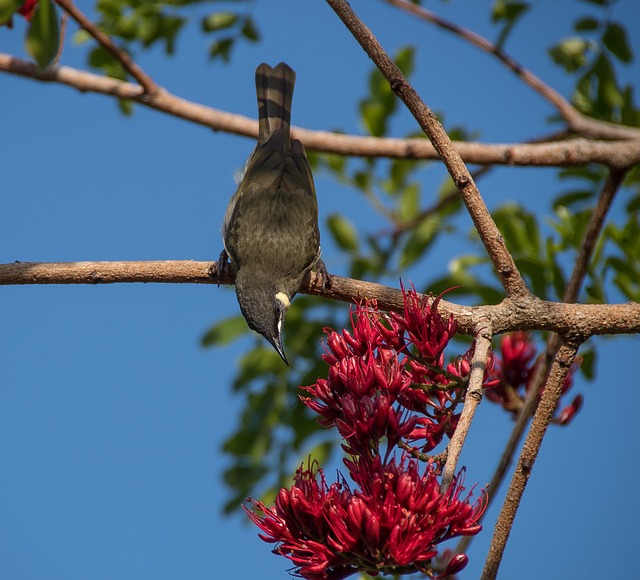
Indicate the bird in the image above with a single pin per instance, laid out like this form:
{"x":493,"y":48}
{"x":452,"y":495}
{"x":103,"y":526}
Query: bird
{"x":270,"y":231}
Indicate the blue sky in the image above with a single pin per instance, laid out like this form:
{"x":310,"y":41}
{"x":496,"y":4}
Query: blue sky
{"x":112,"y":415}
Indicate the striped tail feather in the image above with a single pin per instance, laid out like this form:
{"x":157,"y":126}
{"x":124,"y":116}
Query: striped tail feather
{"x":274,"y":88}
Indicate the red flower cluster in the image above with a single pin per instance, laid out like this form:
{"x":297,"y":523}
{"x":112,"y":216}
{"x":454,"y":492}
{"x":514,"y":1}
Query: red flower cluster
{"x":386,"y":384}
{"x":387,"y":378}
{"x":513,"y":371}
{"x":391,"y":524}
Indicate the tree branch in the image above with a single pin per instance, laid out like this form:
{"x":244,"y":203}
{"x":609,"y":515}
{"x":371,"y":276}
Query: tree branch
{"x":576,"y":121}
{"x":562,"y":153}
{"x":150,"y":87}
{"x":596,"y":223}
{"x":502,"y":260}
{"x":577,"y":320}
{"x":473,"y":397}
{"x":550,"y":396}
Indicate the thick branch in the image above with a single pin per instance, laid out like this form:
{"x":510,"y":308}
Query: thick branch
{"x":502,"y":260}
{"x":550,"y":397}
{"x":571,"y":152}
{"x":577,"y":122}
{"x":579,"y":320}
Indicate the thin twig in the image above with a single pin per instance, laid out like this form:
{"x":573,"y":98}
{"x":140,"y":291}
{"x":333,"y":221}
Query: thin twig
{"x":548,"y":403}
{"x":482,"y":347}
{"x":611,"y":186}
{"x":576,"y":121}
{"x":63,"y":32}
{"x":571,"y":152}
{"x":149,"y":86}
{"x":581,"y":320}
{"x":502,"y":260}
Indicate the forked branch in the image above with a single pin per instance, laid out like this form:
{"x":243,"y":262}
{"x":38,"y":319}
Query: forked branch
{"x":150,"y":87}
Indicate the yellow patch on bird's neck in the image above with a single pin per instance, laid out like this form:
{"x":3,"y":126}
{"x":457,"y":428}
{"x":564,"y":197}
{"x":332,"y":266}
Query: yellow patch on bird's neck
{"x":283,"y":299}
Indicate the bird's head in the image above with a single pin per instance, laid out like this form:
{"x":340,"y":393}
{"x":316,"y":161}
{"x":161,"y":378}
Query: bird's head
{"x":264,"y":307}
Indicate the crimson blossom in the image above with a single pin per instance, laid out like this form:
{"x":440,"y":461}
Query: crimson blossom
{"x":513,"y":372}
{"x":392,"y":400}
{"x":390,"y":525}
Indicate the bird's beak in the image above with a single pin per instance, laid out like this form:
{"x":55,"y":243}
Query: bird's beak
{"x":276,"y":341}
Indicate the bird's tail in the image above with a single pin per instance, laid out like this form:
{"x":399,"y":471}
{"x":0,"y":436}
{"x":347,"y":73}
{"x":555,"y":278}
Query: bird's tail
{"x":274,"y":87}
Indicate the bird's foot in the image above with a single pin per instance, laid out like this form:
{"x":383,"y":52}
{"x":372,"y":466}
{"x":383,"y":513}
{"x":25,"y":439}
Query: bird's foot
{"x":322,"y":276}
{"x":222,"y":269}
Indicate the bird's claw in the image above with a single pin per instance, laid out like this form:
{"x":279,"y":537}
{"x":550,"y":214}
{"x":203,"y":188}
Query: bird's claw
{"x":322,"y":276}
{"x":221,"y":270}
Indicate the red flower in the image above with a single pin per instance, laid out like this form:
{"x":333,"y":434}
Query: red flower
{"x":513,"y":374}
{"x":391,"y":524}
{"x":426,"y":329}
{"x":28,"y":9}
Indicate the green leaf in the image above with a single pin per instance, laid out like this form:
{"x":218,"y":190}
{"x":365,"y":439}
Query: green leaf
{"x":126,"y":107}
{"x":100,"y":58}
{"x":221,"y":49}
{"x":7,"y":8}
{"x":572,"y":198}
{"x":343,"y":232}
{"x":586,"y":24}
{"x":519,"y":229}
{"x":582,"y":97}
{"x":374,"y":117}
{"x":400,"y":171}
{"x":249,"y":30}
{"x":43,"y":36}
{"x":557,"y":275}
{"x":363,"y":179}
{"x":405,"y":60}
{"x":615,"y":39}
{"x":571,"y":53}
{"x":168,"y":28}
{"x":219,"y":21}
{"x":634,"y":205}
{"x":111,"y":8}
{"x":609,"y":94}
{"x":336,"y":163}
{"x":418,"y":242}
{"x":592,"y":174}
{"x":587,"y":366}
{"x":262,"y":360}
{"x":509,"y":13}
{"x":629,"y":113}
{"x":536,"y":272}
{"x":410,"y":202}
{"x":81,"y":36}
{"x":225,"y":331}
